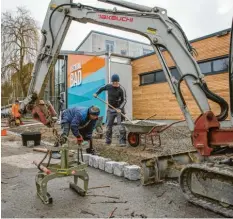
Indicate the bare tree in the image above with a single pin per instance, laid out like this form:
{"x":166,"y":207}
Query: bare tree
{"x":19,"y":45}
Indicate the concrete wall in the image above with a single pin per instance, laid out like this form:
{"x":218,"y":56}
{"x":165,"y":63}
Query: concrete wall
{"x":87,"y":46}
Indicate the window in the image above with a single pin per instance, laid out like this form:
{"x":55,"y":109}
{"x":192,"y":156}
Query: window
{"x":123,"y":52}
{"x":147,"y":51}
{"x":148,"y":78}
{"x":220,"y":65}
{"x":205,"y":67}
{"x":175,"y":73}
{"x":208,"y":67}
{"x":160,"y":77}
{"x":109,"y":46}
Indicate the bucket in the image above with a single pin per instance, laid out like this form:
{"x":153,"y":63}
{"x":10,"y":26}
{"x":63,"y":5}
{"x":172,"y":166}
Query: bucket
{"x":3,"y":132}
{"x":32,"y":137}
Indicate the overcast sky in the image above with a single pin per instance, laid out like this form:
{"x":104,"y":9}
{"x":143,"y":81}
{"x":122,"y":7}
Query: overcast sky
{"x":197,"y":17}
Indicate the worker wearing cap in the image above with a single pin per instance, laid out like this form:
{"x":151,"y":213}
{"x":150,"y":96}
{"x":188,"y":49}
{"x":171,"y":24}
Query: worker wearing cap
{"x":81,"y":121}
{"x":15,"y":111}
{"x":116,"y":98}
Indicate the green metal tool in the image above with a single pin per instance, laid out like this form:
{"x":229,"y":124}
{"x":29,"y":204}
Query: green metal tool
{"x":76,"y":168}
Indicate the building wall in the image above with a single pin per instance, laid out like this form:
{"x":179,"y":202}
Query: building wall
{"x":87,"y":45}
{"x":97,"y":43}
{"x":157,"y":98}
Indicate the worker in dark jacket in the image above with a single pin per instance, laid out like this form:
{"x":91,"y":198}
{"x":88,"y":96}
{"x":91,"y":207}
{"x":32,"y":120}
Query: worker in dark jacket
{"x":116,"y":98}
{"x":81,"y":121}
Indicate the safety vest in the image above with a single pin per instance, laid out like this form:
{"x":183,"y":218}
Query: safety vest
{"x":15,"y":110}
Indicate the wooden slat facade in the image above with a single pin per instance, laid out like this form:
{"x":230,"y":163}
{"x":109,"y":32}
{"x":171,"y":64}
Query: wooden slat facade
{"x":157,"y":98}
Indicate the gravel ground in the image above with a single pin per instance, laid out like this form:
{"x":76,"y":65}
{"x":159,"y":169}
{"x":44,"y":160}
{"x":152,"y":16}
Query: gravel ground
{"x":174,"y":140}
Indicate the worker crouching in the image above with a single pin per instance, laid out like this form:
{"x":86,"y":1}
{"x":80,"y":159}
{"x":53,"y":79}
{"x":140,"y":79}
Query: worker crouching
{"x":81,"y":121}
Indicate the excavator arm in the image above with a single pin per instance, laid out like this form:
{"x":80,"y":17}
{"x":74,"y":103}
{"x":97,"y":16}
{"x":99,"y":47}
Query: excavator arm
{"x":161,"y":30}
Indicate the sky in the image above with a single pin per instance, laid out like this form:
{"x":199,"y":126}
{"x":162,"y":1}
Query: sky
{"x":197,"y":17}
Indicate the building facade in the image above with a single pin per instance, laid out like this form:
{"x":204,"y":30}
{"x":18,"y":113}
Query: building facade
{"x":151,"y":92}
{"x":101,"y":42}
{"x":148,"y":90}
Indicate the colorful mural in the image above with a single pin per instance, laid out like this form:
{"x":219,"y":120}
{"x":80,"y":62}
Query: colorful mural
{"x":86,"y":74}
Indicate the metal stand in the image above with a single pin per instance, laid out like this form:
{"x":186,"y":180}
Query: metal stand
{"x":65,"y":168}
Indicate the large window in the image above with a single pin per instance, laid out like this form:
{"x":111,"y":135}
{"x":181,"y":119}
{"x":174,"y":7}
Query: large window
{"x":160,"y":77}
{"x":109,"y":46}
{"x":175,"y":73}
{"x":60,"y":78}
{"x":214,"y":66}
{"x":147,"y":51}
{"x":148,"y":78}
{"x":123,"y":52}
{"x":205,"y":67}
{"x":220,"y":65}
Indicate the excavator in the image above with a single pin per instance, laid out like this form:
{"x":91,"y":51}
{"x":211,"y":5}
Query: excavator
{"x":208,"y":137}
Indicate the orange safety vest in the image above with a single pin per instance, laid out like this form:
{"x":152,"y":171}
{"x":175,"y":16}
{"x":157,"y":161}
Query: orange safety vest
{"x":15,"y":110}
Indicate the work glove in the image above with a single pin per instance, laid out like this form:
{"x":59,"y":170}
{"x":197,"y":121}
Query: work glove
{"x":79,"y":140}
{"x":95,"y":95}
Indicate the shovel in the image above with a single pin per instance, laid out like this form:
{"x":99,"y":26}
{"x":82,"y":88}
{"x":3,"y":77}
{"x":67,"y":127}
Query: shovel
{"x":132,"y":122}
{"x":115,"y":109}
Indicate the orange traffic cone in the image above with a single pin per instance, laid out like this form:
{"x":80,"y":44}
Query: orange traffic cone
{"x":3,"y":132}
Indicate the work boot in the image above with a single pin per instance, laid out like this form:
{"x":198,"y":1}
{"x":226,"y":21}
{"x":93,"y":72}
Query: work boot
{"x":122,"y":144}
{"x":108,"y":142}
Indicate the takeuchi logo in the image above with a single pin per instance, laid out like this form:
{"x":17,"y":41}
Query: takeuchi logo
{"x":115,"y":18}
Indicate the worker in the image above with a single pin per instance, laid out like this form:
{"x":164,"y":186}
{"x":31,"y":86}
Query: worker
{"x":15,"y":111}
{"x":81,"y":121}
{"x":116,"y":98}
{"x":61,"y":107}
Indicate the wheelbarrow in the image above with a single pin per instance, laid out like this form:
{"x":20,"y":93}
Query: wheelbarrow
{"x":137,"y":129}
{"x":149,"y":129}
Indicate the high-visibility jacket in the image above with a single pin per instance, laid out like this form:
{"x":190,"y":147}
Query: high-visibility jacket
{"x":15,"y":110}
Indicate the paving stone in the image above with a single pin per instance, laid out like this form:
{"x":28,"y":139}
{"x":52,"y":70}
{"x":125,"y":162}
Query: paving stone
{"x":118,"y":169}
{"x":92,"y":160}
{"x":132,"y":172}
{"x":96,"y":161}
{"x":109,"y":166}
{"x":102,"y":162}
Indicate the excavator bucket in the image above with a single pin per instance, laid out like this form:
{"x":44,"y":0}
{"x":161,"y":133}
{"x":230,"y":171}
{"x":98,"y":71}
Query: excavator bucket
{"x":45,"y":113}
{"x":156,"y":169}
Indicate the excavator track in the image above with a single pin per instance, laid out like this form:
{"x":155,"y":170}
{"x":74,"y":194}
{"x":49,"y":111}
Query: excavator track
{"x":210,"y":186}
